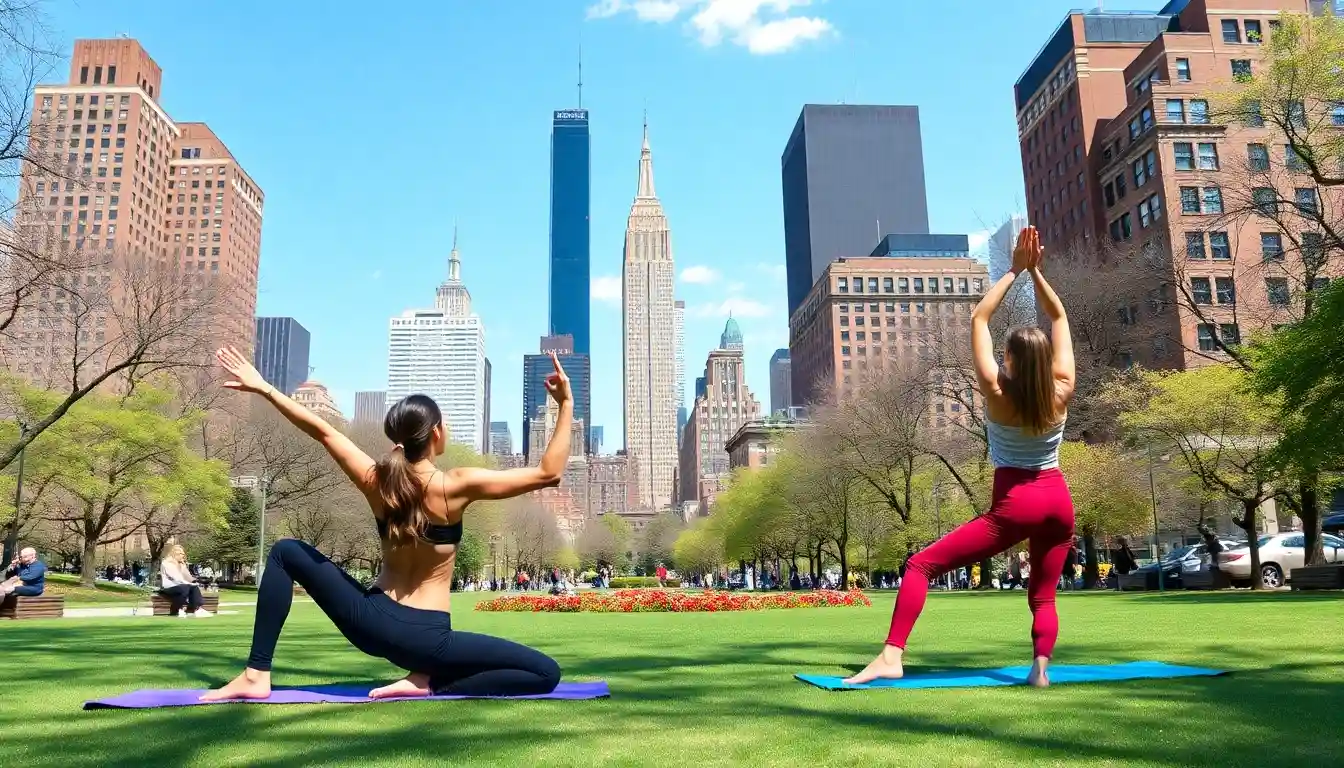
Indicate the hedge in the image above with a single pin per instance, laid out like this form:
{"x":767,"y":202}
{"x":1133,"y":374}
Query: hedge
{"x":642,"y":582}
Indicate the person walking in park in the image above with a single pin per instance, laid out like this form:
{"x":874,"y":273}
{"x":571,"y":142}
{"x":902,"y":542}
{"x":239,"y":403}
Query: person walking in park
{"x":1026,"y":403}
{"x":404,"y":617}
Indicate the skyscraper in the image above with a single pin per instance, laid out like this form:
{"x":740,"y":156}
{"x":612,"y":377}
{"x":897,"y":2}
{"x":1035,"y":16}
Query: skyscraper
{"x":569,"y":267}
{"x":595,"y":440}
{"x":725,"y":405}
{"x":781,"y":387}
{"x":648,"y":320}
{"x":679,"y":333}
{"x":535,"y":370}
{"x":281,"y":352}
{"x":126,"y":169}
{"x":485,"y":412}
{"x":501,"y":439}
{"x":1021,"y":300}
{"x":441,"y":353}
{"x":850,"y":173}
{"x":370,"y":408}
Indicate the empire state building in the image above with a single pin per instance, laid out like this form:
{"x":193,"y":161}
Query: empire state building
{"x":648,"y":325}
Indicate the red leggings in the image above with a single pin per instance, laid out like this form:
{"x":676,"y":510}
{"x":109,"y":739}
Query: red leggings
{"x":1027,"y":505}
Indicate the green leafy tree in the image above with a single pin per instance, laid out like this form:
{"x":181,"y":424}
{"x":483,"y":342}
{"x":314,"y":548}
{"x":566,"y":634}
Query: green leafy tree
{"x":657,"y":539}
{"x":1223,"y":434}
{"x":1107,"y":499}
{"x":472,"y":552}
{"x":605,"y":540}
{"x":699,"y":549}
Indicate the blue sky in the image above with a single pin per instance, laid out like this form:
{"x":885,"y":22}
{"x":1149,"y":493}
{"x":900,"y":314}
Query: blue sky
{"x":372,"y":128}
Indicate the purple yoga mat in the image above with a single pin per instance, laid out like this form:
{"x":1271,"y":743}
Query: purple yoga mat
{"x":322,"y":694}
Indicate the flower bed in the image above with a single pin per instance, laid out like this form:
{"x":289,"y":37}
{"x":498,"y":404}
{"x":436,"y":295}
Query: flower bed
{"x":670,"y":601}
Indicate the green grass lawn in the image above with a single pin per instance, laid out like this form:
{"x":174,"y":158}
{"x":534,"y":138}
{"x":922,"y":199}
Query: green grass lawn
{"x":715,"y":689}
{"x":107,"y":595}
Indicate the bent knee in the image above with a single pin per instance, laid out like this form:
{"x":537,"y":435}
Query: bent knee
{"x":920,"y":564}
{"x":283,"y":547}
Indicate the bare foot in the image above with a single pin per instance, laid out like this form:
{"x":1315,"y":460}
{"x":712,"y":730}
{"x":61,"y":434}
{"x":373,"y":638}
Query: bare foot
{"x":1038,"y":677}
{"x":887,"y":666}
{"x":414,"y":684}
{"x":250,"y":684}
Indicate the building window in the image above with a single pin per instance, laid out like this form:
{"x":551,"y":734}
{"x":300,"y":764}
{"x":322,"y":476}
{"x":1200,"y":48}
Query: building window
{"x":1313,"y":246}
{"x":933,"y":285}
{"x":1109,"y":190}
{"x":1293,"y":160}
{"x":919,"y":285}
{"x":1201,"y":291}
{"x":1257,"y":157}
{"x":1305,"y":200}
{"x":1194,"y":245}
{"x":963,"y":285}
{"x":1276,"y":290}
{"x":842,"y":285}
{"x":111,"y":77}
{"x":857,"y":284}
{"x":1147,"y":116}
{"x":1189,"y":199}
{"x":1206,"y":342}
{"x":1297,"y":114}
{"x":1229,"y":334}
{"x":1135,"y":128}
{"x":1254,"y":117}
{"x":1212,"y":200}
{"x":1337,"y":114}
{"x":872,"y":285}
{"x":1319,"y":284}
{"x":1241,"y":70}
{"x":1129,"y":315}
{"x":1199,"y":112}
{"x":83,"y":80}
{"x":903,"y":284}
{"x":1271,"y":246}
{"x":1266,"y":200}
{"x":1184,"y":155}
{"x":1231,"y":31}
{"x":1140,"y":176}
{"x":1183,"y":70}
{"x":844,"y":350}
{"x":887,"y":285}
{"x":1208,"y":156}
{"x":1226,"y":290}
{"x":1218,"y":246}
{"x":1175,"y":111}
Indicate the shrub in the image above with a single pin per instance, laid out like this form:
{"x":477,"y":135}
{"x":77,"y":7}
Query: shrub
{"x":661,"y":600}
{"x":642,"y":582}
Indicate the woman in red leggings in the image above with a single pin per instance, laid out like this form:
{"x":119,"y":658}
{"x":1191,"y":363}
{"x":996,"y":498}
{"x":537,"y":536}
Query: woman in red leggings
{"x":1026,"y":402}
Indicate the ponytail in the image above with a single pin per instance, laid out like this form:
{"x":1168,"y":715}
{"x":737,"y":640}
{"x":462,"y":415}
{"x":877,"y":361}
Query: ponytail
{"x":403,"y":496}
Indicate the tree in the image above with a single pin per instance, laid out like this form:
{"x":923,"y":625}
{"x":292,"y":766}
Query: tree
{"x":533,"y":538}
{"x":1223,"y":435}
{"x":122,"y":454}
{"x":1106,"y":498}
{"x":657,"y":539}
{"x":471,"y":554}
{"x":605,"y":540}
{"x":235,"y":542}
{"x":699,"y":549}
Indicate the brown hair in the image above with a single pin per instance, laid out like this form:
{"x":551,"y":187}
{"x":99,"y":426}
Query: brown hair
{"x":1031,"y":387}
{"x":410,"y":426}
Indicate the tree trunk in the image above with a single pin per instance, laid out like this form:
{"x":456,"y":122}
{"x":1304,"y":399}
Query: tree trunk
{"x":1091,"y":571}
{"x":11,"y":540}
{"x":986,"y":573}
{"x":86,"y":574}
{"x":1247,"y":525}
{"x":1310,"y":513}
{"x":844,"y":566}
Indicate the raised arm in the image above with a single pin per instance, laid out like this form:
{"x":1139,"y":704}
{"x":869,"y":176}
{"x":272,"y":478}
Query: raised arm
{"x":1060,"y":335}
{"x":475,"y":484}
{"x":982,"y":343}
{"x":355,"y":463}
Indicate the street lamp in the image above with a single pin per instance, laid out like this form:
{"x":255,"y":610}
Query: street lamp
{"x":1152,"y":491}
{"x":12,"y":540}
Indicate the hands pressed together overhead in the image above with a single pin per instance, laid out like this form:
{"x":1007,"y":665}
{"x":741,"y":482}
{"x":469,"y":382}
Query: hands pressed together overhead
{"x":1027,"y":254}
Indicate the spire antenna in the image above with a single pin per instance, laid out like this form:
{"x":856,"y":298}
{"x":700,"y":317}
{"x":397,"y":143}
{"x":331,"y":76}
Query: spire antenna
{"x":580,"y":74}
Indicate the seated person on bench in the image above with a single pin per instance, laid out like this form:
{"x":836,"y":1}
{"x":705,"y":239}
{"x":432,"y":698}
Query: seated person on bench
{"x":179,"y":586}
{"x":26,"y":576}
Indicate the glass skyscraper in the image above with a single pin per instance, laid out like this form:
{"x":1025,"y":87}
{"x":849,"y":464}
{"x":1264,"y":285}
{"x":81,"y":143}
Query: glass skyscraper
{"x":281,"y":354}
{"x":569,"y":267}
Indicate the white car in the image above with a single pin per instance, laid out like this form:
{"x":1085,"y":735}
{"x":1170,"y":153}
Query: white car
{"x":1280,"y":553}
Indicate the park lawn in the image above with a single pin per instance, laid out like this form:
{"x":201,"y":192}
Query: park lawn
{"x":715,"y":689}
{"x":106,"y":595}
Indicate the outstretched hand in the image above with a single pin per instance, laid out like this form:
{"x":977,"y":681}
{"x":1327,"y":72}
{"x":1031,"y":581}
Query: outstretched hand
{"x":557,"y":384}
{"x":1027,"y":252}
{"x":244,"y":377}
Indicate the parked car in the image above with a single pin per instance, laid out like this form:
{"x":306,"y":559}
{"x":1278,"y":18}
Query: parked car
{"x":1334,"y":524}
{"x":1280,"y":553}
{"x":1184,"y":560}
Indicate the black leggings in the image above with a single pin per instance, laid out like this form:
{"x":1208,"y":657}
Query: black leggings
{"x":461,"y":663}
{"x":183,"y":594}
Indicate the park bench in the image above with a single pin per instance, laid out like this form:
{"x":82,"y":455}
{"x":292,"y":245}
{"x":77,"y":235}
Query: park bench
{"x":164,"y":607}
{"x":1138,"y":582}
{"x":40,"y":607}
{"x":1206,"y":580}
{"x":1318,"y":577}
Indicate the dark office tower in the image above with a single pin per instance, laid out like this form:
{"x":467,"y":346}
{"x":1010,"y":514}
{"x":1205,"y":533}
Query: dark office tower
{"x":850,"y":174}
{"x":485,"y":417}
{"x":569,"y":273}
{"x":781,"y":381}
{"x":535,"y":370}
{"x":281,"y":354}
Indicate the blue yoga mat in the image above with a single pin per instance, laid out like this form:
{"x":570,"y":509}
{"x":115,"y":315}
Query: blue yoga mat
{"x":1059,"y":673}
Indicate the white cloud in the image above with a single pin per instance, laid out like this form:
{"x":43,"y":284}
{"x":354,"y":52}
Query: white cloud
{"x":699,"y":275}
{"x":737,"y":306}
{"x":763,"y":27}
{"x":606,"y":289}
{"x":776,"y":271}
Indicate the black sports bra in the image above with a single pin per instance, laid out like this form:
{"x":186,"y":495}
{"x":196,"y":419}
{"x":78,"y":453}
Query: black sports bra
{"x":450,"y":533}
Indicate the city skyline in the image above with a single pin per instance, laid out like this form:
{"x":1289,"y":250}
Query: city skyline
{"x":720,"y":160}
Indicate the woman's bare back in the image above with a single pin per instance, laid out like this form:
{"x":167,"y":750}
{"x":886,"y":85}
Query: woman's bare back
{"x":420,"y":575}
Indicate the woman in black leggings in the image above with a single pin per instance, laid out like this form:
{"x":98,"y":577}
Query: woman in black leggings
{"x":404,"y":617}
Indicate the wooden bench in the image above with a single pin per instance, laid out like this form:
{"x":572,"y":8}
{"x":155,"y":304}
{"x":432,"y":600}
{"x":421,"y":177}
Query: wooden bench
{"x":1138,"y":582}
{"x":164,"y":607}
{"x":1318,"y":577}
{"x":1206,"y":580}
{"x":40,"y":607}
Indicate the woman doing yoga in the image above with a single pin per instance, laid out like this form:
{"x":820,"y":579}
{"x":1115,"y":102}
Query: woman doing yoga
{"x":1026,"y":403}
{"x":404,"y":617}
